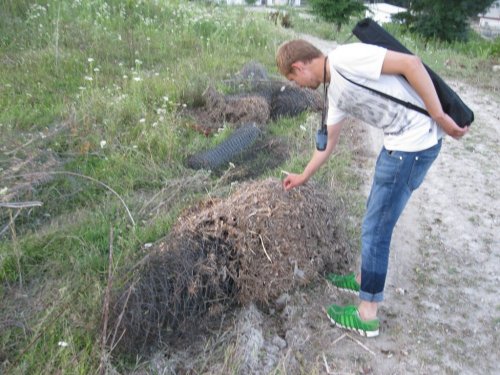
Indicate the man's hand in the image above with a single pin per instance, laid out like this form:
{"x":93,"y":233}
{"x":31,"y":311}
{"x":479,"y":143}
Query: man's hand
{"x":414,"y":71}
{"x":450,"y":127}
{"x":293,"y":180}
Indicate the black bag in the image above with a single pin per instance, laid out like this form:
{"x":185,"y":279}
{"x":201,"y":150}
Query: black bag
{"x":368,"y":31}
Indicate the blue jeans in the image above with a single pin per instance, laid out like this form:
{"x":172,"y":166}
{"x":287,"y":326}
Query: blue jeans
{"x":397,"y":175}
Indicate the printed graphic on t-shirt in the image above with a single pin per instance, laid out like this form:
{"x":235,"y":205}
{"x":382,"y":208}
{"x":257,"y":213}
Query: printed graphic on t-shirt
{"x":373,"y":109}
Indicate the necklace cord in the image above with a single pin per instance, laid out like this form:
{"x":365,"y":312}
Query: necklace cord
{"x":325,"y":95}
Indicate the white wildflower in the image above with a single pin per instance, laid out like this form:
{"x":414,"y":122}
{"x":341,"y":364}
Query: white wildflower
{"x":62,"y":344}
{"x":103,"y":143}
{"x":142,"y":120}
{"x":88,"y":78}
{"x":90,"y":60}
{"x":137,"y":79}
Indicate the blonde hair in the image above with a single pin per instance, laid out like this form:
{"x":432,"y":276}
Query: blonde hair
{"x":293,"y":51}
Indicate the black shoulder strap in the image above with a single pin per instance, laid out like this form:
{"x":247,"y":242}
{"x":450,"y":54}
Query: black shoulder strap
{"x":387,"y":96}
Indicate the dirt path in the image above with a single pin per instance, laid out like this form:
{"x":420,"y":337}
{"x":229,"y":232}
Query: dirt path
{"x":442,"y":311}
{"x":443,"y":279}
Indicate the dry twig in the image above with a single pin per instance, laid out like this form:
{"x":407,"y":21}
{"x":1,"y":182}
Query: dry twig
{"x":361,"y":344}
{"x":81,"y":176}
{"x":115,"y":342}
{"x":264,"y":248}
{"x":338,"y":339}
{"x":104,"y":335}
{"x":20,"y":205}
{"x":11,"y":220}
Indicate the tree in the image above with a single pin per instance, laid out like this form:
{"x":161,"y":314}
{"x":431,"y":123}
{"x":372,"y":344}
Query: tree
{"x":442,"y":19}
{"x":337,"y":11}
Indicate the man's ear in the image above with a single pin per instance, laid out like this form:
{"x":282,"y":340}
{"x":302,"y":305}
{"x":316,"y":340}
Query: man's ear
{"x":298,"y":65}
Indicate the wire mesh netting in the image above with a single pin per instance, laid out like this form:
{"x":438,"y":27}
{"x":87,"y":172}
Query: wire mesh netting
{"x":228,"y":150}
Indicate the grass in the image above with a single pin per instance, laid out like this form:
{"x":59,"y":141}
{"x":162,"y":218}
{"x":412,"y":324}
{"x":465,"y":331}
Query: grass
{"x":113,"y":76}
{"x":92,"y":90}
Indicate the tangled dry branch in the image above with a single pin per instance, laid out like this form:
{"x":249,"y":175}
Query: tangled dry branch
{"x":255,"y":245}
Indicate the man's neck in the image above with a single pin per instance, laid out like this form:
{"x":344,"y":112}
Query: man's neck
{"x":319,"y":68}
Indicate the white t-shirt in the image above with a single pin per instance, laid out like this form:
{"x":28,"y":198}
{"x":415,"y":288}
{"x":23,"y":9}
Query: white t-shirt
{"x":404,"y":129}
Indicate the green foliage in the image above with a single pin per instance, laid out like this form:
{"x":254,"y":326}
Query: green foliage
{"x":478,"y":47}
{"x":440,"y":19}
{"x":475,"y":46}
{"x":338,"y":12}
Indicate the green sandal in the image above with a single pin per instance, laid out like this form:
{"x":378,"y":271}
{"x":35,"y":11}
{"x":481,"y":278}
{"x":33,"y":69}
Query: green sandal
{"x":346,"y":283}
{"x":348,"y":317}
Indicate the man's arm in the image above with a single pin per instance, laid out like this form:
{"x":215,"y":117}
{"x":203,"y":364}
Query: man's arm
{"x":414,"y":71}
{"x":318,"y":159}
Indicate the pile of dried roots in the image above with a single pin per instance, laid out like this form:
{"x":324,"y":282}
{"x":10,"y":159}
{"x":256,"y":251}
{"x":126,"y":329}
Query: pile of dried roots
{"x":257,"y":98}
{"x":251,"y":247}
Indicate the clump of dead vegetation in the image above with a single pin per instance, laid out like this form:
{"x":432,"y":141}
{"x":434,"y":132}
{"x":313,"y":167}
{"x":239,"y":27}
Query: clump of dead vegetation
{"x":252,"y":247}
{"x":255,"y":97}
{"x":236,"y":109}
{"x":281,"y":18}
